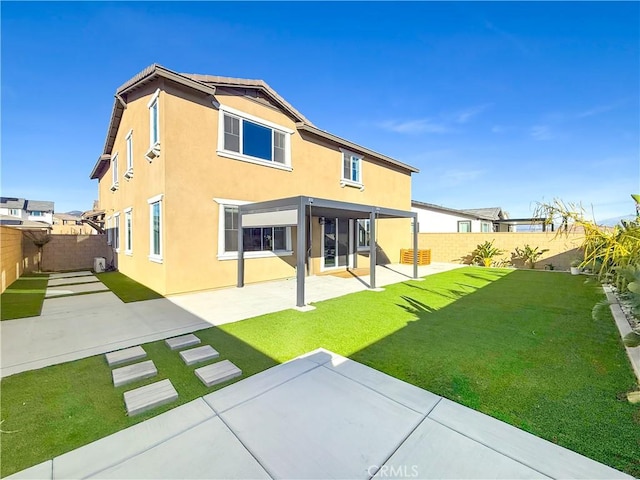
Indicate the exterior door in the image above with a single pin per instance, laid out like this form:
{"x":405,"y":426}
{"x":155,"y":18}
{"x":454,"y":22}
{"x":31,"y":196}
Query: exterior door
{"x":335,"y":243}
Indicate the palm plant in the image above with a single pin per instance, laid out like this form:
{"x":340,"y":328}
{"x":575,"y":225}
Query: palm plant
{"x":529,"y":254}
{"x":484,"y":253}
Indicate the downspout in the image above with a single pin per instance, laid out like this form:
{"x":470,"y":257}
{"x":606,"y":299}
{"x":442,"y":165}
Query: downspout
{"x":121,"y":101}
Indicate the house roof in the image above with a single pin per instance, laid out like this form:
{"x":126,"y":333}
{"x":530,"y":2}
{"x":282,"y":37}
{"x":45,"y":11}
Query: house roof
{"x":495,"y":213}
{"x":8,"y":221}
{"x":12,"y":202}
{"x":39,"y":206}
{"x":208,"y":84}
{"x":491,"y":213}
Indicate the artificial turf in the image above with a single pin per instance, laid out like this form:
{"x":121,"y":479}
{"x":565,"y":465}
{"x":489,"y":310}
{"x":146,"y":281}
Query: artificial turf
{"x":125,"y":288}
{"x":24,"y":297}
{"x":521,"y":346}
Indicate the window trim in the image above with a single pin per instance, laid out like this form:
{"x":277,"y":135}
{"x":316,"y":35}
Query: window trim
{"x":129,"y":152}
{"x":489,"y":224}
{"x":348,"y":182}
{"x":154,"y":144}
{"x":114,"y":172}
{"x":222,"y":152}
{"x":157,"y":258}
{"x":464,"y":221}
{"x":116,"y":232}
{"x":128,"y":231}
{"x":224,"y":255}
{"x":15,"y":212}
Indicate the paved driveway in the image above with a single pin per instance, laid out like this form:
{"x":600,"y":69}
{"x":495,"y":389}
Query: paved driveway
{"x":321,"y":416}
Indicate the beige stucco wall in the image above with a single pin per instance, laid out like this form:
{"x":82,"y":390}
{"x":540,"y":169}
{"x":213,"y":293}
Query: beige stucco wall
{"x":10,"y":256}
{"x":191,"y":175}
{"x":457,"y":247}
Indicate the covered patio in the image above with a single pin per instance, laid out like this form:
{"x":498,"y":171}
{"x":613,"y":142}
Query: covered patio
{"x":298,"y":212}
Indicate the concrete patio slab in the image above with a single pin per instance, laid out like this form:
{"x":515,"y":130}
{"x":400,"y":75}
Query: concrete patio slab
{"x":308,"y":419}
{"x":133,"y":373}
{"x":87,"y":461}
{"x":123,"y":356}
{"x":199,"y":354}
{"x":70,"y":274}
{"x":432,"y":449}
{"x":217,"y":373}
{"x":56,"y":282}
{"x":208,"y":451}
{"x":182,"y":341}
{"x":150,"y":396}
{"x":76,"y":327}
{"x":37,"y":472}
{"x":73,"y":289}
{"x":304,"y":433}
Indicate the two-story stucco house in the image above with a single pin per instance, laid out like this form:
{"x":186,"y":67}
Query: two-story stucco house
{"x":200,"y":170}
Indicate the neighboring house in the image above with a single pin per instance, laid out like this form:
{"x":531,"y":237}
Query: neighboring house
{"x":187,"y":156}
{"x":20,"y":212}
{"x":437,"y":219}
{"x":69,"y":224}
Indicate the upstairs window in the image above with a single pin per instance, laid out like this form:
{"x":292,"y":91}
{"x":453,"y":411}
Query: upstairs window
{"x":36,"y":213}
{"x":154,"y":127}
{"x":114,"y":172}
{"x":254,"y":140}
{"x":351,"y":171}
{"x":14,"y":212}
{"x":129,"y":172}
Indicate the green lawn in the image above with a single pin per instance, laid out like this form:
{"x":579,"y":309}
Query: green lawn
{"x":521,"y":346}
{"x":126,"y":289}
{"x":24,"y":297}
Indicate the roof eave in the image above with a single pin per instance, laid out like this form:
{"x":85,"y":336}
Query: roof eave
{"x":100,"y":167}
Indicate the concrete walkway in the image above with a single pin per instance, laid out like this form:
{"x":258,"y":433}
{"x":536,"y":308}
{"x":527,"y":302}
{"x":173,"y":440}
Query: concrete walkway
{"x":75,"y":327}
{"x":321,"y":416}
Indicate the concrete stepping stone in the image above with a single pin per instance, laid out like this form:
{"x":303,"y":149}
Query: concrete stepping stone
{"x":199,"y":354}
{"x":150,"y":396}
{"x":217,"y":373}
{"x":176,"y":343}
{"x":133,"y":373}
{"x":124,"y":356}
{"x":70,"y":274}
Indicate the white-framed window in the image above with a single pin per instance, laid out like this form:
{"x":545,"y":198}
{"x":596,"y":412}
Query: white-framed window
{"x":116,"y":231}
{"x":486,"y":227}
{"x":364,"y":229}
{"x":128,"y":231}
{"x":155,"y":228}
{"x":129,"y":172}
{"x":154,"y":126}
{"x":36,"y":213}
{"x":15,"y":212}
{"x":258,"y":242}
{"x":351,"y":171}
{"x":109,"y":225}
{"x":244,"y":137}
{"x":114,"y":172}
{"x":464,"y":226}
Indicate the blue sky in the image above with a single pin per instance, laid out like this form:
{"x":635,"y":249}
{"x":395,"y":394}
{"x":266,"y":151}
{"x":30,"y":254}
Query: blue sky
{"x":499,"y":104}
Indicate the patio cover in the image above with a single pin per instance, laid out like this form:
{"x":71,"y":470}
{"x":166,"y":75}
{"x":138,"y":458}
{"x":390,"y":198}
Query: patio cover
{"x":293,"y":211}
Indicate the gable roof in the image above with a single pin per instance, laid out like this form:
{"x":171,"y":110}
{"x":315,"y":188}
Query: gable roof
{"x":39,"y":205}
{"x":208,"y":84}
{"x":494,"y":213}
{"x":12,"y":202}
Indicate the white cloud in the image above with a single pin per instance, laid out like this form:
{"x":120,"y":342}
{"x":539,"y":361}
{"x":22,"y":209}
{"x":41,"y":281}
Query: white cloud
{"x":466,"y":115}
{"x":455,"y":177}
{"x":541,"y":132}
{"x":423,"y":125}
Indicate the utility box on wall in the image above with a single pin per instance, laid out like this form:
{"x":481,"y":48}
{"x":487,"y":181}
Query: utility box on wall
{"x":99,"y":264}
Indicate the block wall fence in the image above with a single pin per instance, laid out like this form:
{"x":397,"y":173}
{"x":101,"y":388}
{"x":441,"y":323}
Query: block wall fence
{"x":11,"y":264}
{"x":457,"y":247}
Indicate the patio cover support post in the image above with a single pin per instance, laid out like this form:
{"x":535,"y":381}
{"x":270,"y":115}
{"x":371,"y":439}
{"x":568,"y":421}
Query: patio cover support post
{"x":372,"y":249}
{"x":240,"y":251}
{"x":415,"y":246}
{"x":301,"y":252}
